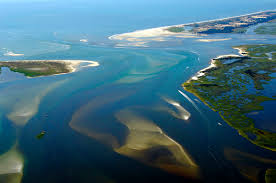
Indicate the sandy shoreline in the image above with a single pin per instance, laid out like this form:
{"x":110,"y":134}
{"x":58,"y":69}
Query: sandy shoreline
{"x":154,"y":34}
{"x":213,"y":40}
{"x":213,"y":64}
{"x":146,"y":35}
{"x":201,"y":72}
{"x":242,"y":52}
{"x":72,"y":65}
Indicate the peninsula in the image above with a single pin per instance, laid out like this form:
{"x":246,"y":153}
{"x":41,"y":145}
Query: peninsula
{"x":234,"y":87}
{"x":237,"y":24}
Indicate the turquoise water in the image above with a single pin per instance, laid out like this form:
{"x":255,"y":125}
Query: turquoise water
{"x":87,"y":115}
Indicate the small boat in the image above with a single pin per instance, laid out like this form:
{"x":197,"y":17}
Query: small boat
{"x":41,"y":135}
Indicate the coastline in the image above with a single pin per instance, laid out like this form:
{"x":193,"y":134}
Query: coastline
{"x":227,"y":109}
{"x":212,"y":65}
{"x":71,"y":65}
{"x":164,"y":32}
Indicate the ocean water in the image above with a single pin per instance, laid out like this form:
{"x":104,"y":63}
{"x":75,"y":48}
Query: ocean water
{"x":97,"y":119}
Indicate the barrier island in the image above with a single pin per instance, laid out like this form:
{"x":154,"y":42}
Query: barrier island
{"x":238,"y":24}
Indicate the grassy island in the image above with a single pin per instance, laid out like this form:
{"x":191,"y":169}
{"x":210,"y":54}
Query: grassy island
{"x":234,"y":86}
{"x":37,"y":68}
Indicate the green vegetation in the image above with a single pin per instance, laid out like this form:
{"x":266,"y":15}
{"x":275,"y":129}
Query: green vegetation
{"x":36,"y":68}
{"x":41,"y":135}
{"x":176,"y":29}
{"x":269,"y":28}
{"x":232,"y":25}
{"x":235,"y":87}
{"x":240,"y":30}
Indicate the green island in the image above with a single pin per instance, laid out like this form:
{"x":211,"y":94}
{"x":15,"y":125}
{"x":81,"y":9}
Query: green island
{"x":269,"y":28}
{"x":234,"y":86}
{"x":37,"y":68}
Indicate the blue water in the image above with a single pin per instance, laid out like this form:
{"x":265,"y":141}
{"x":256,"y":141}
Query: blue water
{"x":80,"y":112}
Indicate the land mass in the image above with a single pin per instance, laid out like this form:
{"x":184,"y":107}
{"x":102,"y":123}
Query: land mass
{"x":234,"y":87}
{"x":35,"y":68}
{"x":237,"y":24}
{"x":227,"y":25}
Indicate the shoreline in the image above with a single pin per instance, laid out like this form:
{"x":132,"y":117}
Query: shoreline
{"x":163,"y":32}
{"x":211,"y":65}
{"x":242,"y":53}
{"x":237,"y":119}
{"x":71,"y":65}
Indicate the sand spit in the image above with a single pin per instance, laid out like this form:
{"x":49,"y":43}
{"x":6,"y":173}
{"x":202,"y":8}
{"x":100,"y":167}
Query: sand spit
{"x":213,"y":64}
{"x":139,"y":38}
{"x":242,"y":51}
{"x":75,"y":64}
{"x":11,"y":54}
{"x":84,"y":40}
{"x":212,"y":40}
{"x":201,"y":72}
{"x":147,"y":33}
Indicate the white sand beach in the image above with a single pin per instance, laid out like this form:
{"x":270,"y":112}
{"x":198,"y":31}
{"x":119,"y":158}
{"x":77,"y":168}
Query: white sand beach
{"x":84,"y":40}
{"x":156,"y":34}
{"x":12,"y":54}
{"x":242,"y":51}
{"x":212,"y":40}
